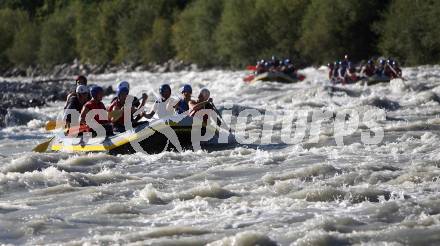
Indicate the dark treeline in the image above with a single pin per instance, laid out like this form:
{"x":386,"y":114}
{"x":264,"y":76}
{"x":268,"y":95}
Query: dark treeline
{"x":227,"y":33}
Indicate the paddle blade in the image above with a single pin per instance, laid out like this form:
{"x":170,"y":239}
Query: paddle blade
{"x":52,"y":125}
{"x":42,"y":147}
{"x":252,"y":68}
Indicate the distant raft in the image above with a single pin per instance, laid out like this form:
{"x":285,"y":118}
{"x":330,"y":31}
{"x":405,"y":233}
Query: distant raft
{"x":375,"y":79}
{"x":274,"y":76}
{"x":152,"y":137}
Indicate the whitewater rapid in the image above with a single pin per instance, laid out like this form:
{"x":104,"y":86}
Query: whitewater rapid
{"x":307,"y":193}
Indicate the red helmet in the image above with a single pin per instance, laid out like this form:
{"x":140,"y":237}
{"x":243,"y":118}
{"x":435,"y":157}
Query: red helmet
{"x":81,"y":79}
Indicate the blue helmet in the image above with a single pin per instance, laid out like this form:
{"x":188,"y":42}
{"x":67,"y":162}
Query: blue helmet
{"x":123,"y":84}
{"x":163,"y":88}
{"x":286,"y":61}
{"x":186,"y":88}
{"x":382,"y":62}
{"x":121,"y":90}
{"x":95,"y":90}
{"x":370,"y":62}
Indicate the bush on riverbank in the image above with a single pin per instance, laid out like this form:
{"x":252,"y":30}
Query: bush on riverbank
{"x":229,"y":33}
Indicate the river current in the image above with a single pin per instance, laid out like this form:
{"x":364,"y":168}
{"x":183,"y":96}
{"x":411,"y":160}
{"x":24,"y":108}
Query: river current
{"x":306,"y":192}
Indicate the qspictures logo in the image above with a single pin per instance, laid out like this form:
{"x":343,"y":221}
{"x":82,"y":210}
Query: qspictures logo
{"x":289,"y":126}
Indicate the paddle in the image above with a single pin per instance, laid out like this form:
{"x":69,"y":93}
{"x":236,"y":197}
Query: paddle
{"x":53,"y":124}
{"x":42,"y":147}
{"x":220,"y":116}
{"x":395,"y":72}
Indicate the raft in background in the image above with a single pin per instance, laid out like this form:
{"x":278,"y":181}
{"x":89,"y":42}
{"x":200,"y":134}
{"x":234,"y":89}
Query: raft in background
{"x":275,"y":77}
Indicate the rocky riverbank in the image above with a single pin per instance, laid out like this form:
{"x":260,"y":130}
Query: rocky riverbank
{"x":39,"y":93}
{"x":31,"y":94}
{"x":75,"y":68}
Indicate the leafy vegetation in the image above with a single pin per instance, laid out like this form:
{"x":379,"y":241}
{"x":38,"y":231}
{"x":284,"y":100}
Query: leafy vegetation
{"x":228,"y":33}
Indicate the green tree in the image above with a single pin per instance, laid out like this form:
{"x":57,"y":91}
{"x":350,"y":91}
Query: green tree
{"x":23,"y":52}
{"x":10,"y":23}
{"x":57,"y":39}
{"x":330,"y":30}
{"x":241,"y":35}
{"x":193,"y":33}
{"x":158,"y":47}
{"x":97,"y":24}
{"x":134,"y":30}
{"x":410,"y":31}
{"x":283,"y":24}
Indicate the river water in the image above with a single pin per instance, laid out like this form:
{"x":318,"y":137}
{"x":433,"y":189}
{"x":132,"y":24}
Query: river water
{"x":302,"y":193}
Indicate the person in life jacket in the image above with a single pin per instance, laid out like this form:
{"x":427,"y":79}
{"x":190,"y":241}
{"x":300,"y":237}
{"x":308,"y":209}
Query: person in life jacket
{"x":336,"y":76}
{"x":388,"y":70}
{"x":136,"y":104}
{"x":163,"y":106}
{"x":80,"y":80}
{"x":203,"y":102}
{"x":97,"y":93}
{"x":288,"y":68}
{"x":261,"y":68}
{"x":76,"y":102}
{"x":380,"y":70}
{"x":396,"y":70}
{"x":117,"y":110}
{"x":343,"y":65}
{"x":350,"y":75}
{"x":369,"y":69}
{"x":331,"y":67}
{"x":274,"y":64}
{"x":182,"y":106}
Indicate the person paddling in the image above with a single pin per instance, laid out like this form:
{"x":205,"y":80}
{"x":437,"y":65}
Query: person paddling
{"x":97,"y":93}
{"x":76,"y":102}
{"x":164,"y":106}
{"x":203,"y":102}
{"x":135,"y":104}
{"x":80,"y":80}
{"x":118,"y":105}
{"x":182,"y":106}
{"x":369,"y":69}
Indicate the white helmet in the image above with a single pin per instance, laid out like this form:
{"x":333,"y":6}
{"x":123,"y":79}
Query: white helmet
{"x":81,"y":89}
{"x":123,"y":84}
{"x":204,"y":92}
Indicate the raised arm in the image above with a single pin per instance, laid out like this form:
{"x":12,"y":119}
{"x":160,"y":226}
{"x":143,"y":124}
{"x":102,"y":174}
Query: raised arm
{"x":193,"y":105}
{"x":83,"y":115}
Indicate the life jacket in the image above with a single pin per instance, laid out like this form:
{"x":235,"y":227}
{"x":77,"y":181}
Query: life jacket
{"x":116,"y":104}
{"x":380,"y":71}
{"x":93,"y":104}
{"x":182,"y":106}
{"x":388,"y":72}
{"x":336,"y":72}
{"x":342,"y":71}
{"x":369,"y":70}
{"x":193,"y":112}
